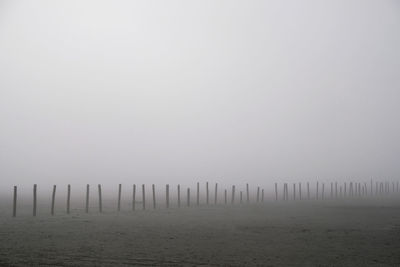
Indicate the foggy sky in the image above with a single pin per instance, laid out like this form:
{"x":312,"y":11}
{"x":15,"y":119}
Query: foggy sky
{"x":185,"y":91}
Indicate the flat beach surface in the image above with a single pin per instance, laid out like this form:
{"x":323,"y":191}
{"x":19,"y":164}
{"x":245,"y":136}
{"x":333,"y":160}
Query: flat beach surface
{"x":324,"y":233}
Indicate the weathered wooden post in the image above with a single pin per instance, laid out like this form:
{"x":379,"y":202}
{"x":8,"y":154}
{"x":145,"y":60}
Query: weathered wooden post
{"x":276,"y":191}
{"x":154,"y":196}
{"x":294,"y":191}
{"x":87,"y":199}
{"x":262,"y":195}
{"x":226,"y":197}
{"x":179,"y":196}
{"x":233,"y":195}
{"x":241,"y":197}
{"x":308,"y":190}
{"x":247,"y":192}
{"x":188,"y":197}
{"x":53,"y":198}
{"x":133,"y":197}
{"x":143,"y":197}
{"x":100,"y":199}
{"x":300,"y":191}
{"x":68,"y":198}
{"x":336,"y":191}
{"x":317,"y":190}
{"x":216,"y":194}
{"x":198,"y":194}
{"x":323,"y":191}
{"x":258,"y":194}
{"x":34,"y":199}
{"x":207,"y":192}
{"x":15,"y":202}
{"x":119,"y":197}
{"x":167,"y":195}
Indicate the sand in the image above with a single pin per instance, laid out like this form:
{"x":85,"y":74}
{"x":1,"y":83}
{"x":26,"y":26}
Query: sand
{"x":307,"y":233}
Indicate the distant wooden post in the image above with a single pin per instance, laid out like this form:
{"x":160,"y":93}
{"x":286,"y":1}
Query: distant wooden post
{"x":15,"y":202}
{"x":53,"y":198}
{"x":276,"y":191}
{"x":300,"y":191}
{"x":284,"y":191}
{"x":331,"y":190}
{"x":226,"y":196}
{"x":154,"y":196}
{"x":179,"y":196}
{"x":68,"y":198}
{"x":34,"y":199}
{"x":308,"y":190}
{"x":133,"y":197}
{"x":100,"y":198}
{"x":143,"y":197}
{"x":247,"y":192}
{"x":241,"y":197}
{"x":167,"y":195}
{"x":323,"y":191}
{"x":198,"y":194}
{"x":336,"y":191}
{"x":262,"y":195}
{"x":87,"y":199}
{"x":233,"y":195}
{"x":188,"y":197}
{"x":119,"y":197}
{"x":258,"y":194}
{"x":207,"y":193}
{"x":216,"y":194}
{"x":294,"y":191}
{"x":317,"y":190}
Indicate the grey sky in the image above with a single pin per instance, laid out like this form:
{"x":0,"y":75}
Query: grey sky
{"x":181,"y":91}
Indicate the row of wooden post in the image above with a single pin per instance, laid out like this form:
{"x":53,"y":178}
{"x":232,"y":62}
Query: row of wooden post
{"x":354,"y":190}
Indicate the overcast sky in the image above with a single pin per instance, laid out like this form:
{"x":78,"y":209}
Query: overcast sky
{"x":185,"y":91}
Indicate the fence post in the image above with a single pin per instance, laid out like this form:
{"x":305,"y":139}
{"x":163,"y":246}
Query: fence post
{"x":336,"y":195}
{"x":308,"y":190}
{"x":198,"y":194}
{"x":262,"y":195}
{"x":226,"y":197}
{"x":258,"y":194}
{"x":276,"y":191}
{"x":233,"y":195}
{"x":216,"y":194}
{"x":300,"y":191}
{"x":133,"y":197}
{"x":167,"y":195}
{"x":188,"y":197}
{"x":15,"y":202}
{"x":154,"y":196}
{"x":119,"y":197}
{"x":247,"y":192}
{"x":317,"y":190}
{"x":87,"y":199}
{"x":179,"y":196}
{"x":34,"y":199}
{"x":323,"y":191}
{"x":53,"y":200}
{"x":207,"y":192}
{"x":294,"y":191}
{"x":241,"y":197}
{"x":143,"y":197}
{"x":100,"y":199}
{"x":345,"y":189}
{"x":68,"y":198}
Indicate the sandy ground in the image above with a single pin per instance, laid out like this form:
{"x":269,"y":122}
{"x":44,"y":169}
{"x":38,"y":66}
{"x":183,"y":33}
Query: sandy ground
{"x":320,"y":233}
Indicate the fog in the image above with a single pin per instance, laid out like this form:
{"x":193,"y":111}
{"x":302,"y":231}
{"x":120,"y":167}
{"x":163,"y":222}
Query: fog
{"x":185,"y":91}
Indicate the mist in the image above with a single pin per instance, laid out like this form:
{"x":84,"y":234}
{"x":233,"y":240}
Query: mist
{"x":184,"y":91}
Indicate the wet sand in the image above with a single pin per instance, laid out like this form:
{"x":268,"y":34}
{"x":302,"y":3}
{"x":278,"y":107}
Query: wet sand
{"x":324,"y":233}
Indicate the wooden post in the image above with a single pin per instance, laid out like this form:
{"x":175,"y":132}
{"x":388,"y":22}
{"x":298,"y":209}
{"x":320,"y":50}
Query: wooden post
{"x":53,"y":198}
{"x":247,"y":192}
{"x":241,"y":197}
{"x":87,"y":199}
{"x":207,"y":193}
{"x":179,"y":196}
{"x":331,"y":190}
{"x":119,"y":197}
{"x":294,"y":191}
{"x":167,"y":195}
{"x":276,"y":191}
{"x":233,"y":195}
{"x":143,"y":197}
{"x":226,"y":200}
{"x":336,"y":192}
{"x":262,"y":195}
{"x":68,"y":198}
{"x":15,"y":202}
{"x":308,"y":190}
{"x":323,"y":191}
{"x":100,"y":199}
{"x":198,"y":194}
{"x":258,"y":194}
{"x":154,"y":196}
{"x":134,"y":197}
{"x":317,"y":190}
{"x":188,"y":197}
{"x":216,"y":194}
{"x":34,"y":199}
{"x":284,"y":191}
{"x":300,"y":191}
{"x":345,"y":189}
